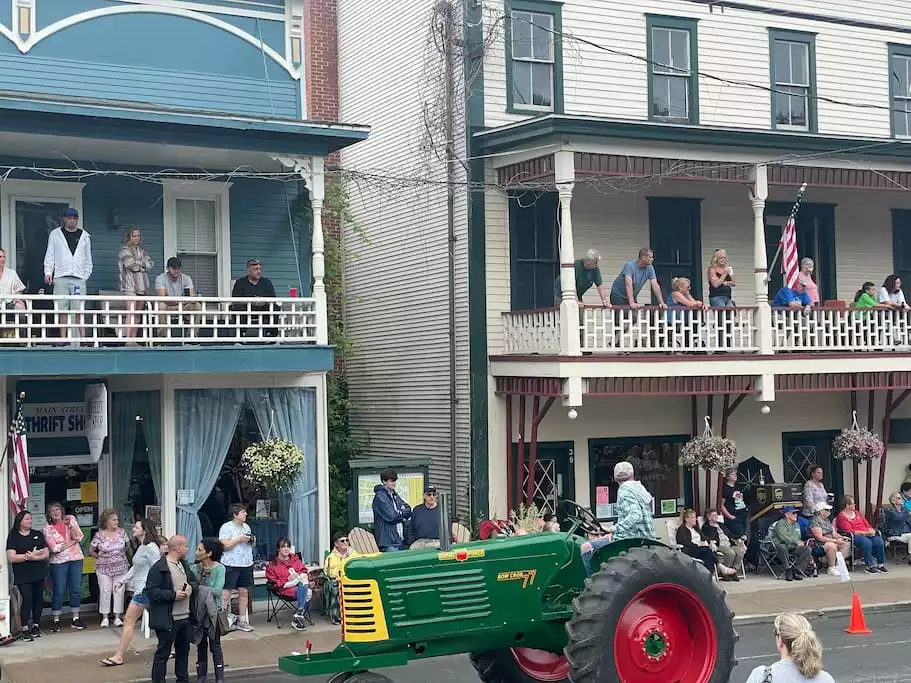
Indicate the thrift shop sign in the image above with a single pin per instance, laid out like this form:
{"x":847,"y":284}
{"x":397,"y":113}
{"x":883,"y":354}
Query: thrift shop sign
{"x":48,"y":420}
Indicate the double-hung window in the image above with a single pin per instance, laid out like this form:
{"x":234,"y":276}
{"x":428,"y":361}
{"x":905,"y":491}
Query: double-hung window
{"x":900,"y":89}
{"x":793,"y":57}
{"x":672,"y":69}
{"x":534,"y":60}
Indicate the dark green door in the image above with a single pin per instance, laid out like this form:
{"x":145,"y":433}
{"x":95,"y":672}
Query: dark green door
{"x":553,"y":479}
{"x":674,"y":225}
{"x":802,"y":449}
{"x":815,"y":240}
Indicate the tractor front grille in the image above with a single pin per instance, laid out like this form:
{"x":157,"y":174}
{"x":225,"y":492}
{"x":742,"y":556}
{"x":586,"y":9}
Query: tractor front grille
{"x":363,"y":620}
{"x":461,"y":595}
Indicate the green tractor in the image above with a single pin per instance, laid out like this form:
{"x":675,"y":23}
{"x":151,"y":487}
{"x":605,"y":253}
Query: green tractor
{"x":526,"y":611}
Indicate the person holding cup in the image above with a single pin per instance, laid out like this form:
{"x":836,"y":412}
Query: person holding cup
{"x":721,"y":279}
{"x":64,"y":537}
{"x":238,"y":542}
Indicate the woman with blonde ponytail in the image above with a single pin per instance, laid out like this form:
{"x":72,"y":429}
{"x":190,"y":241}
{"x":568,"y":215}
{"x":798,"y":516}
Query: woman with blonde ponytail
{"x":801,"y":654}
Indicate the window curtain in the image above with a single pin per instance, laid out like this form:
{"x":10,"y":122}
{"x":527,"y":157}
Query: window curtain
{"x":206,"y":422}
{"x":123,"y":448}
{"x":148,"y":407}
{"x":291,"y":414}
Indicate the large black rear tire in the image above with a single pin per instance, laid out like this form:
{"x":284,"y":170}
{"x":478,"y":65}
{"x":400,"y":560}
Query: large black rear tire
{"x":651,"y":615}
{"x":522,"y":666}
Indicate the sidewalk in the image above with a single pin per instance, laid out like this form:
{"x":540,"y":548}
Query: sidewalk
{"x":756,"y":599}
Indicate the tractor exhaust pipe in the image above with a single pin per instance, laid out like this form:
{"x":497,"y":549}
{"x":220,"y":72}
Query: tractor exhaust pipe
{"x":445,"y":522}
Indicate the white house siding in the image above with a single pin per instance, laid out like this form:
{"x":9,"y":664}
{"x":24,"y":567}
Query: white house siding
{"x":396,"y":286}
{"x":851,"y":62}
{"x":617,"y":226}
{"x":756,"y":435}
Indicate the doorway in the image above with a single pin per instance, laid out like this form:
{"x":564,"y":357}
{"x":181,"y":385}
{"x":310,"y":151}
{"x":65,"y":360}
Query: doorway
{"x":815,"y":240}
{"x":34,"y":208}
{"x":553,"y":478}
{"x":675,"y":235}
{"x":799,"y":450}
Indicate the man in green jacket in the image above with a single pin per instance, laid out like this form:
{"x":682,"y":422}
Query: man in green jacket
{"x":789,"y":544}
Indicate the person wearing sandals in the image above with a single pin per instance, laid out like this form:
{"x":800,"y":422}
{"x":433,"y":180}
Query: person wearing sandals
{"x":149,"y":552}
{"x":63,"y":537}
{"x":801,"y":654}
{"x":211,"y":574}
{"x":109,"y":548}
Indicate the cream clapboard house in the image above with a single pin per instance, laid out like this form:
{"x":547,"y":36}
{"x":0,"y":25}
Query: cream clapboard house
{"x":683,"y":125}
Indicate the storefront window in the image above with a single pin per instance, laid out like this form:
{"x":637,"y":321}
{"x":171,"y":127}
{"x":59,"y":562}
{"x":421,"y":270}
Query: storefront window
{"x":656,"y":463}
{"x":76,"y":488}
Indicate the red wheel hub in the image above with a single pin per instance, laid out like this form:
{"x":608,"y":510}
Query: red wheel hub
{"x":541,"y":664}
{"x":665,"y":634}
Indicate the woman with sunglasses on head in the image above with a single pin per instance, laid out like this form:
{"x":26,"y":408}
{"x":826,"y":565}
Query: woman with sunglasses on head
{"x":341,"y":553}
{"x":801,"y":654}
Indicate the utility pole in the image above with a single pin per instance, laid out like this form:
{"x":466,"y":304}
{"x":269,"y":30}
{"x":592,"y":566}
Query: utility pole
{"x":446,"y":12}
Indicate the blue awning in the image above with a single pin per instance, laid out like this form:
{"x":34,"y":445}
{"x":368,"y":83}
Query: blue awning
{"x":131,"y":122}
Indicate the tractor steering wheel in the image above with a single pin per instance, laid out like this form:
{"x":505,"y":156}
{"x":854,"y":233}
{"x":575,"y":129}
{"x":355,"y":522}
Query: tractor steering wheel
{"x":582,"y":518}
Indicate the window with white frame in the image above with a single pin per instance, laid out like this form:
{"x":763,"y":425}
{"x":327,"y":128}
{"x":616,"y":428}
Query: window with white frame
{"x":900,"y":66}
{"x":671,"y":73}
{"x":533,"y":60}
{"x":197,"y":231}
{"x":792,"y":83}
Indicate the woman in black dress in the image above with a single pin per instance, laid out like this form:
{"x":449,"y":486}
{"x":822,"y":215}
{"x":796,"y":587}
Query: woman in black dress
{"x":27,"y":552}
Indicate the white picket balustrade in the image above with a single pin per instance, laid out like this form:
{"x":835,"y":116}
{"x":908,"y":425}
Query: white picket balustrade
{"x":31,"y":320}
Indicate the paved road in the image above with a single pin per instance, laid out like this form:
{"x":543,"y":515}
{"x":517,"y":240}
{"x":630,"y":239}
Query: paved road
{"x":880,"y":658}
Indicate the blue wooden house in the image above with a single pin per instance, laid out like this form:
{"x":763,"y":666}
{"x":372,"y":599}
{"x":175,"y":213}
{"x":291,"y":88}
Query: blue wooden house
{"x":189,"y":121}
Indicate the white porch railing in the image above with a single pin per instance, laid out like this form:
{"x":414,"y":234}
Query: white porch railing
{"x":529,"y":332}
{"x":836,"y":329}
{"x":622,"y":330}
{"x":33,"y":320}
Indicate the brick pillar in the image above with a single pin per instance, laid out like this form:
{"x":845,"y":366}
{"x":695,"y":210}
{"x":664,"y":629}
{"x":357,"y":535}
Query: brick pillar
{"x":321,"y":73}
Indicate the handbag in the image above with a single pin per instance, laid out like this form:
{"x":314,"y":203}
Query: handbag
{"x":224,"y":628}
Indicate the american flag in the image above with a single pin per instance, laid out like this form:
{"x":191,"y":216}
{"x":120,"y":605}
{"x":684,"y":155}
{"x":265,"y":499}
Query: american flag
{"x":790,"y":263}
{"x":19,"y":482}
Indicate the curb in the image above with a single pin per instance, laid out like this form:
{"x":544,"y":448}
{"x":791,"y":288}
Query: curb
{"x":827,"y":612}
{"x":230,"y":672}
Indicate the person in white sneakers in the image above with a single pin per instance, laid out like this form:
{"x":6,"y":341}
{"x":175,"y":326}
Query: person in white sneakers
{"x":237,"y":540}
{"x":823,"y":535}
{"x":68,"y":266}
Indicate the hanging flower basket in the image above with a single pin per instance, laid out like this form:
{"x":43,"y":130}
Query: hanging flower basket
{"x":273,"y":465}
{"x":709,"y":452}
{"x":857,"y":443}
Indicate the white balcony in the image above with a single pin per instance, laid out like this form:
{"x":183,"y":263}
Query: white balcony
{"x":732,"y":330}
{"x":32,"y":321}
{"x":839,"y":329}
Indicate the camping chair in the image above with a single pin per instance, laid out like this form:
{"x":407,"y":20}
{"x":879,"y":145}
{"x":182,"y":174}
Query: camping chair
{"x":768,"y":552}
{"x":362,"y":541}
{"x":282,"y":608}
{"x":894,"y":544}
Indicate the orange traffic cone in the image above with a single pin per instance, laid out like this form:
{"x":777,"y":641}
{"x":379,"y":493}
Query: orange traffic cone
{"x":858,"y":625}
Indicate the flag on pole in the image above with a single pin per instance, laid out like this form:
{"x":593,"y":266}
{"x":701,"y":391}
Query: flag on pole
{"x":790,"y":263}
{"x":19,"y":481}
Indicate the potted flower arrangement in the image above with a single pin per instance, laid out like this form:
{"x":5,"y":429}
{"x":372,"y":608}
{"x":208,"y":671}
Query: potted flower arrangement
{"x":273,"y":465}
{"x":857,"y":443}
{"x":709,"y":452}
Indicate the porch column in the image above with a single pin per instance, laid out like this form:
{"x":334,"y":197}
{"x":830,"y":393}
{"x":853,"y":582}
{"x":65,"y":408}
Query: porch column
{"x":565,"y":175}
{"x":758,"y":195}
{"x":5,"y":521}
{"x":322,"y":463}
{"x":317,"y":193}
{"x":168,"y":500}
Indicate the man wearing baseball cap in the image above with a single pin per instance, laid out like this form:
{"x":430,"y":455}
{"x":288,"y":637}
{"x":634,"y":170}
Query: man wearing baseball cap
{"x":254,"y":285}
{"x":67,"y":266}
{"x":792,"y":551}
{"x":425,"y":521}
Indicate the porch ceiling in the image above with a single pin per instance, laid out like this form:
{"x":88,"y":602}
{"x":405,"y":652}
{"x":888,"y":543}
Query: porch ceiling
{"x":120,"y":132}
{"x":587,"y":165}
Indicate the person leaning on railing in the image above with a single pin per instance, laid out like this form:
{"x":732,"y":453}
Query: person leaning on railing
{"x":10,"y":285}
{"x":254,"y":285}
{"x":721,"y":279}
{"x":174,"y":282}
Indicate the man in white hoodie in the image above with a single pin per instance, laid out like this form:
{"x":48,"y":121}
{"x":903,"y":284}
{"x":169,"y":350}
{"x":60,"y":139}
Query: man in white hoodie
{"x":68,"y":265}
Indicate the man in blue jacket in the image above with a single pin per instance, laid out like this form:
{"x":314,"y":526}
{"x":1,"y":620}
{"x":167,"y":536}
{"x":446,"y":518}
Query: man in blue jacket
{"x":389,"y":513}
